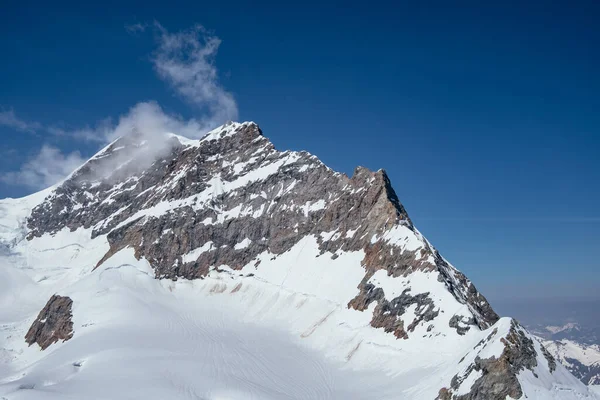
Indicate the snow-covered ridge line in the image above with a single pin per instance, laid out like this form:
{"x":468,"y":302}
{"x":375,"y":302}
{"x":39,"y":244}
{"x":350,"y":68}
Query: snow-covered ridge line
{"x":244,"y":237}
{"x":582,"y":360}
{"x":220,"y":132}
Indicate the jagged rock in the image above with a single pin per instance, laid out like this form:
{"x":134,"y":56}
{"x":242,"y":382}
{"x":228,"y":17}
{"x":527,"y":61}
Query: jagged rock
{"x":456,"y":321}
{"x":464,"y":290}
{"x":227,"y":209}
{"x":444,"y":394}
{"x":53,"y":323}
{"x":368,"y":294}
{"x":387,"y":313}
{"x":499,"y":375}
{"x":209,"y":210}
{"x":550,"y":359}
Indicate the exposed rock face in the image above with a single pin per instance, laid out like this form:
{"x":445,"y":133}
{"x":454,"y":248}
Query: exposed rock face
{"x":461,"y":324}
{"x":387,"y":313}
{"x":464,"y":290}
{"x":444,"y":394}
{"x":550,"y":359}
{"x":498,"y":375}
{"x":227,"y":208}
{"x":233,"y":196}
{"x":53,"y":323}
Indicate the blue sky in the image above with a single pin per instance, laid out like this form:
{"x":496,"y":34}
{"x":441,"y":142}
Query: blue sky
{"x":486,"y":117}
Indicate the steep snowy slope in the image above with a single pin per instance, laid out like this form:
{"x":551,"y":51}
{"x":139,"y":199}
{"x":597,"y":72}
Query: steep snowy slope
{"x":582,"y":360}
{"x":225,"y":269}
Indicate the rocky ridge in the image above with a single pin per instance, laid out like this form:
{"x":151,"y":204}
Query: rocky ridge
{"x":52,"y":324}
{"x":222,"y":203}
{"x":212,"y":200}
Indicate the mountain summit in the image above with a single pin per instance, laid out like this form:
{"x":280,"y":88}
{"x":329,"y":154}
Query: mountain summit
{"x":222,"y":268}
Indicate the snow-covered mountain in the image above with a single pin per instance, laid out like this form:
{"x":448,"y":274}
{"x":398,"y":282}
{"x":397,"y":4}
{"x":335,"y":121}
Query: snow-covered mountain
{"x":225,"y":269}
{"x":582,"y":360}
{"x":570,"y":326}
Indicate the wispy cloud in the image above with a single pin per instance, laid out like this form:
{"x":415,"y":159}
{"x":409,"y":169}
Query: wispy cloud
{"x":44,"y":169}
{"x":149,"y":120}
{"x":9,"y":119}
{"x":185,"y":60}
{"x":96,"y":133}
{"x":136,"y":28}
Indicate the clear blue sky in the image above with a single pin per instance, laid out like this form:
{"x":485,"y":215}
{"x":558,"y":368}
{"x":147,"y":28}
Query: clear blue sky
{"x":486,"y":117}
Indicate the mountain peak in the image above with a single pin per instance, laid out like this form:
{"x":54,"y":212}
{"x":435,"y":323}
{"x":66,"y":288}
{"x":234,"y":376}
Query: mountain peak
{"x":247,"y":130}
{"x":278,"y":236}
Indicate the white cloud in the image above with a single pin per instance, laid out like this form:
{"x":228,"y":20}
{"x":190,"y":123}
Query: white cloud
{"x":136,"y":28}
{"x":8,"y":118}
{"x":186,"y":61}
{"x":146,"y":119}
{"x":44,"y":169}
{"x":149,"y":120}
{"x":98,"y":133}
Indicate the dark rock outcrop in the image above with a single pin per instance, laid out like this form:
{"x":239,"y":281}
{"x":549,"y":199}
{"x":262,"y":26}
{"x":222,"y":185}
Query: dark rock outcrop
{"x":464,"y":290}
{"x":550,"y":359}
{"x":461,"y":324}
{"x":53,"y":323}
{"x":388,"y":314}
{"x":233,"y":187}
{"x":498,"y":375}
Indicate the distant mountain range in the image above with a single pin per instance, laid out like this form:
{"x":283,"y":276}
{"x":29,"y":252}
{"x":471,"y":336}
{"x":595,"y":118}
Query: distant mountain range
{"x":569,"y":328}
{"x":576,"y":347}
{"x":582,"y":360}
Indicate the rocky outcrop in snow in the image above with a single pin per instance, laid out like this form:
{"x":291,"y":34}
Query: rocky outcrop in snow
{"x":234,"y":186}
{"x":281,"y":236}
{"x":52,"y":324}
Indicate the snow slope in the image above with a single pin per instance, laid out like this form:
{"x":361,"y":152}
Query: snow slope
{"x":581,"y":359}
{"x":277,"y":327}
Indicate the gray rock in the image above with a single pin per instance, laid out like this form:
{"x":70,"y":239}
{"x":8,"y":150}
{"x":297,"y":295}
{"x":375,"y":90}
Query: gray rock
{"x":461,"y":324}
{"x":52,"y":324}
{"x":273,"y":213}
{"x":499,"y":375}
